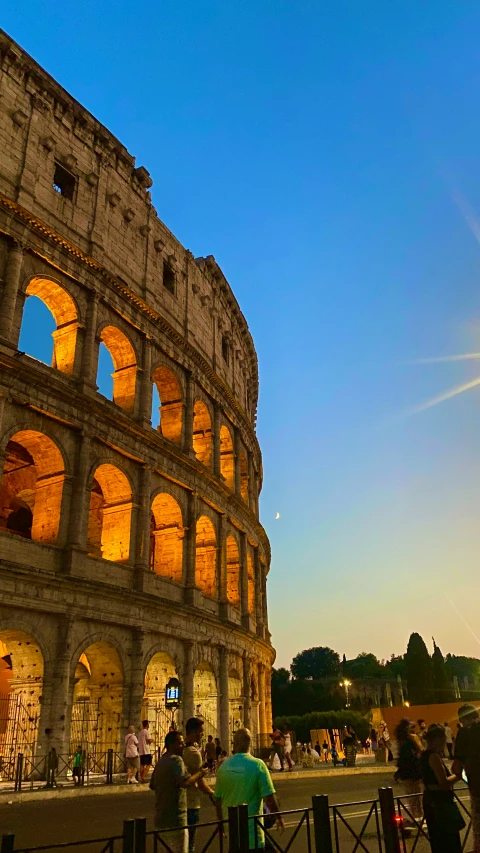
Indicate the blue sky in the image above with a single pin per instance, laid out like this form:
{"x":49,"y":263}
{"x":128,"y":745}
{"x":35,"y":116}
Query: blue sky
{"x":325,"y":153}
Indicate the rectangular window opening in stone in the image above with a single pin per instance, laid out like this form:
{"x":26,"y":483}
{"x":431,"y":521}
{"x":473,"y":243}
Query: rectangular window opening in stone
{"x":225,"y":350}
{"x":63,"y":182}
{"x":168,"y":277}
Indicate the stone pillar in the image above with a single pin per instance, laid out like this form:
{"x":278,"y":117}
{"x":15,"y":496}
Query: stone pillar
{"x":190,"y":546}
{"x":262,"y":698}
{"x":142,"y":537}
{"x":243,"y":578}
{"x":90,"y":350}
{"x":247,"y":693}
{"x":221,"y":560}
{"x":257,"y":568}
{"x":9,"y":293}
{"x":264,"y":598}
{"x":268,"y":701}
{"x":79,"y":502}
{"x":188,"y":698}
{"x":238,"y":473}
{"x":217,"y":423}
{"x":58,"y":730}
{"x":3,"y":450}
{"x":145,"y":413}
{"x":224,"y":699}
{"x":133,"y":712}
{"x":188,"y":419}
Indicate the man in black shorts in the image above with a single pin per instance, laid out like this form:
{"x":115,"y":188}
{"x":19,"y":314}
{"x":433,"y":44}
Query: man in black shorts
{"x":144,"y":750}
{"x":210,"y":752}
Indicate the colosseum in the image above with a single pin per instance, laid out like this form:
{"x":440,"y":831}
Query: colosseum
{"x":131,"y":551}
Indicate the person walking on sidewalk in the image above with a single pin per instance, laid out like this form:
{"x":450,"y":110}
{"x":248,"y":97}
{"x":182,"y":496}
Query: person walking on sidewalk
{"x":145,"y":750}
{"x":131,"y":755}
{"x":192,"y":758}
{"x":245,"y":779}
{"x":169,"y":781}
{"x":466,"y":757}
{"x":449,"y":737}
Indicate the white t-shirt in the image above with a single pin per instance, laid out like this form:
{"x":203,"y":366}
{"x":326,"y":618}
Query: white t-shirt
{"x":131,"y":744}
{"x":144,"y":747}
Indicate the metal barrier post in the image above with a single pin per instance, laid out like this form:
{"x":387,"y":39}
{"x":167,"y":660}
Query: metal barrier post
{"x":321,"y":824}
{"x":19,"y":772}
{"x":140,"y":834}
{"x":82,"y":767}
{"x":243,"y":834}
{"x":233,"y":837}
{"x":8,"y":843}
{"x":389,"y":824}
{"x":128,"y":836}
{"x":109,"y":779}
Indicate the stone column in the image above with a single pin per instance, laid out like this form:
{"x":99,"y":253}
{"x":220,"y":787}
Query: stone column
{"x":60,"y":699}
{"x":133,"y":712}
{"x":188,"y":418}
{"x":145,"y":413}
{"x":188,"y":698}
{"x":221,"y":560}
{"x":79,"y":502}
{"x":247,"y":693}
{"x":262,"y":698}
{"x":89,"y":354}
{"x":189,"y":550}
{"x":217,"y":423}
{"x":9,"y":293}
{"x":257,"y":568}
{"x":238,"y":473}
{"x":251,"y":482}
{"x":142,"y":537}
{"x":243,"y":578}
{"x":3,"y":450}
{"x":268,"y":701}
{"x":264,"y":598}
{"x":224,"y":699}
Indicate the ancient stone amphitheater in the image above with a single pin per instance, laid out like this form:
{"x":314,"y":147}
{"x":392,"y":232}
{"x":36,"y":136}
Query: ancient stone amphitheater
{"x":130,"y":553}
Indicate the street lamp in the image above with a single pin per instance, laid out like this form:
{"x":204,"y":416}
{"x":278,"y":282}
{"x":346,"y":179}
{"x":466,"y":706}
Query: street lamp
{"x":346,"y":684}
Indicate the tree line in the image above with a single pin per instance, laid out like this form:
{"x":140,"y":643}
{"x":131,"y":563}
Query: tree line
{"x":312,"y":682}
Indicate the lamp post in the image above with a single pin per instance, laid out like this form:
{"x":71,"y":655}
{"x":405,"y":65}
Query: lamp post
{"x":346,"y":684}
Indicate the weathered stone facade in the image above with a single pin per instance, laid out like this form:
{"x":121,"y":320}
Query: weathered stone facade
{"x":128,"y":554}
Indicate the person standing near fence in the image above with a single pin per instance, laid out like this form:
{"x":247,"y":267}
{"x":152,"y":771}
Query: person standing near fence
{"x":466,"y":757}
{"x":145,"y":750}
{"x":192,"y":758}
{"x":169,"y":781}
{"x":131,"y":756}
{"x":408,"y":764}
{"x":442,"y":815}
{"x":245,"y":779}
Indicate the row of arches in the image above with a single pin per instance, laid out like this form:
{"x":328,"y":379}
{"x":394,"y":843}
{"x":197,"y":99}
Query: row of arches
{"x":118,"y":357}
{"x":98,"y":705}
{"x":31,"y":491}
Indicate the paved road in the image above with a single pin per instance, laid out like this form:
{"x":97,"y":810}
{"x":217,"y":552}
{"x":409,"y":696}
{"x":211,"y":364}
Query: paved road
{"x":37,"y":823}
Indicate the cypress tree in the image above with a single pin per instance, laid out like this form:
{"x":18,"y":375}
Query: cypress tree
{"x":419,"y":671}
{"x":443,"y":693}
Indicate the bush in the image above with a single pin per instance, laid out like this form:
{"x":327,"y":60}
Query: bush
{"x":325,"y":720}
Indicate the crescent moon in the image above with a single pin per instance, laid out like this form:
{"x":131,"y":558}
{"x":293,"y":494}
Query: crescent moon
{"x":277,"y":516}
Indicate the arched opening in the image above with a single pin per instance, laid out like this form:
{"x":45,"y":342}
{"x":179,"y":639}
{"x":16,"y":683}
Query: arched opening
{"x":235,"y":702}
{"x":64,"y":312}
{"x":171,"y":405}
{"x":31,"y":487}
{"x":206,"y":557}
{"x":205,"y":696}
{"x":110,"y":515}
{"x":233,"y":571}
{"x":21,"y":685}
{"x":227,"y":459}
{"x":251,"y":583}
{"x":166,"y":542}
{"x":125,"y":366}
{"x":244,"y":476}
{"x":159,"y":671}
{"x":202,"y":433}
{"x":97,"y":703}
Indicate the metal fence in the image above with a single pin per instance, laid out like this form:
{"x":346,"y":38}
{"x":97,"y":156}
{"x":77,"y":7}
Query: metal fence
{"x":386,"y":825}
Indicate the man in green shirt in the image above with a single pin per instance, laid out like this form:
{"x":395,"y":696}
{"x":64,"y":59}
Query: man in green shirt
{"x":245,"y":779}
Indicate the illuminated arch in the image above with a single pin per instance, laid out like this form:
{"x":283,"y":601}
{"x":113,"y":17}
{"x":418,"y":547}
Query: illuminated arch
{"x":125,"y":366}
{"x":21,"y":686}
{"x":160,"y":670}
{"x":233,"y":571}
{"x":166,"y":543}
{"x":244,"y":476}
{"x":110,"y":514}
{"x":171,"y":405}
{"x":227,"y":459}
{"x":202,"y":433}
{"x":251,"y":583}
{"x":32,"y":486}
{"x":97,"y":700}
{"x":206,"y":557}
{"x":64,"y":312}
{"x":205,"y":697}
